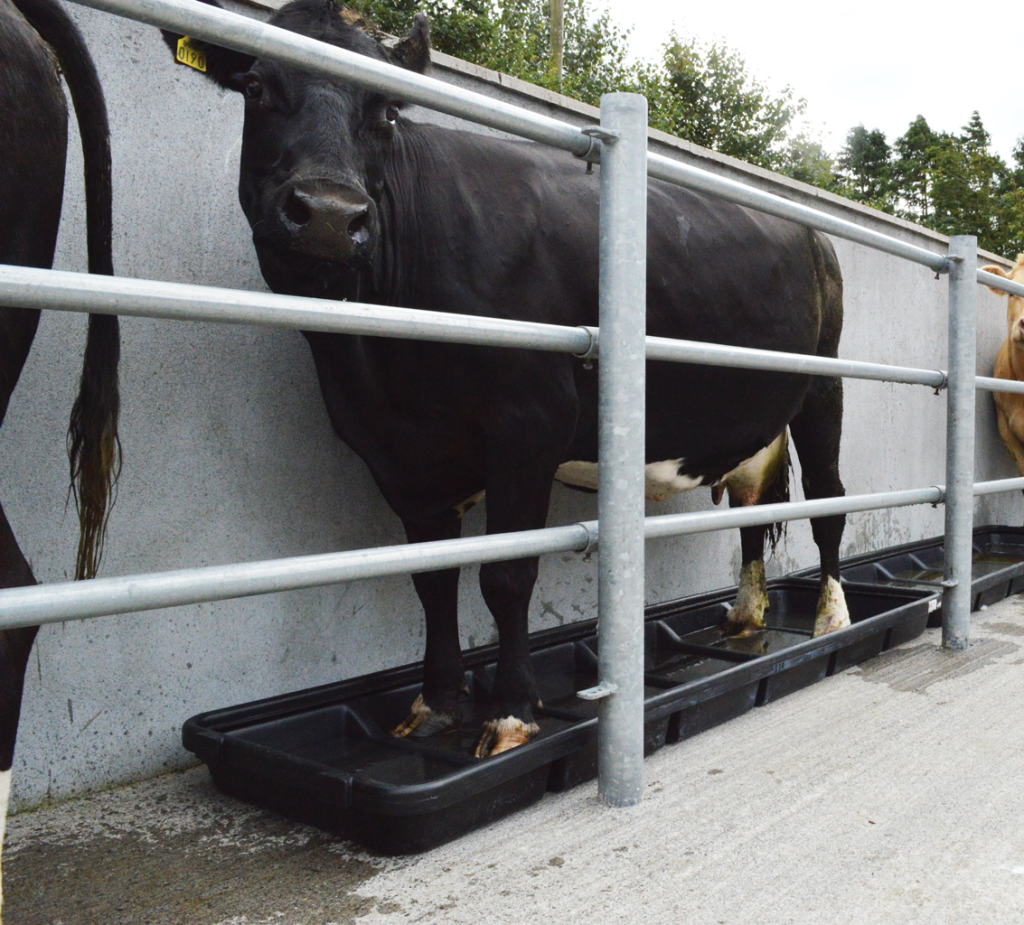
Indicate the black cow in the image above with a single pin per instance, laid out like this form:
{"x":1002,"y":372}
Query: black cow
{"x":348,"y":199}
{"x":37,"y":37}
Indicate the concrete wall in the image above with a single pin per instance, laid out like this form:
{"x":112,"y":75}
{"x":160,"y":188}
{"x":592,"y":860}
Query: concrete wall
{"x":228,"y":454}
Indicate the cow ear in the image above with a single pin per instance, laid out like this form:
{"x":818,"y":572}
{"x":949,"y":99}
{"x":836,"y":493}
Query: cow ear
{"x":996,"y":271}
{"x":413,"y":52}
{"x":221,"y":65}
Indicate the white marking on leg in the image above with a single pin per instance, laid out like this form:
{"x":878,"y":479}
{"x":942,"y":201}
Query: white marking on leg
{"x":751,"y":599}
{"x":833,"y":613}
{"x":747,"y":482}
{"x":5,"y":795}
{"x":661,"y":479}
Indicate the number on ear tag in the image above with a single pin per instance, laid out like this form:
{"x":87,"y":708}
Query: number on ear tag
{"x":191,"y":55}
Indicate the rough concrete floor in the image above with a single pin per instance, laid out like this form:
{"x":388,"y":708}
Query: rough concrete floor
{"x":889,"y":794}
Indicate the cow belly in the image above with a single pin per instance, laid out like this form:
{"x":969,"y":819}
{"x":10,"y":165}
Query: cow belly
{"x":661,"y":479}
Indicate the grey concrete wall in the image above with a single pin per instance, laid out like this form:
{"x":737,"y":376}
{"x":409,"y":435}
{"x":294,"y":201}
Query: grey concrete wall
{"x":228,"y":454}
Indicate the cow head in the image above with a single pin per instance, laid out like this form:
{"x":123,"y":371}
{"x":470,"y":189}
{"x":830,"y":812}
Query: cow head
{"x":1015,"y":308}
{"x":314,"y":148}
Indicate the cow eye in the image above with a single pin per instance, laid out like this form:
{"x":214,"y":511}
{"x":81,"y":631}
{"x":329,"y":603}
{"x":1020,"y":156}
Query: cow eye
{"x":391,"y":113}
{"x":253,"y":89}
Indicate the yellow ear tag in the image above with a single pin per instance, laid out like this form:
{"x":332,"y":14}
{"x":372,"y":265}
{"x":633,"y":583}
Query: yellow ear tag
{"x":190,"y":54}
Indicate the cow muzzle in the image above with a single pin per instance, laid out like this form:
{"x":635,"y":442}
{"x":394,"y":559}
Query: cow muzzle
{"x":328,"y":222}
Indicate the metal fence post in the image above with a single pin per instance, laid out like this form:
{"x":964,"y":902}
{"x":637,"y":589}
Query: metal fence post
{"x":622,"y":375}
{"x":960,"y":402}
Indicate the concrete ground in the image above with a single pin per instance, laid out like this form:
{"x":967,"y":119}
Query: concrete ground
{"x":889,"y":794}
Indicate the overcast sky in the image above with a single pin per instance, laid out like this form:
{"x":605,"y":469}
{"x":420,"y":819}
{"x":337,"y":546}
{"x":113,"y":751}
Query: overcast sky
{"x":880,"y":63}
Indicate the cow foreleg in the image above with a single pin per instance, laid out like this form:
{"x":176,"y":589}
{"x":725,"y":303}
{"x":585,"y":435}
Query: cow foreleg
{"x":518,"y":491}
{"x":15,"y":646}
{"x":507,"y":588}
{"x":816,"y":433}
{"x":436,"y":709}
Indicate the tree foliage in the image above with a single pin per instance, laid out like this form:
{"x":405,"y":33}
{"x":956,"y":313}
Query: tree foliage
{"x":953,"y":183}
{"x":703,"y":92}
{"x":514,"y":37}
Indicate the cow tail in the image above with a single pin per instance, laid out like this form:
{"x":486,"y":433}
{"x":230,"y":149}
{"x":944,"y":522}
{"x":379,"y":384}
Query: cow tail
{"x":777,"y":492}
{"x":94,"y":449}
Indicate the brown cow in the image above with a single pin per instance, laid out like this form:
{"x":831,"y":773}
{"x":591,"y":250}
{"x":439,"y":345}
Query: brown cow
{"x":1010,"y":365}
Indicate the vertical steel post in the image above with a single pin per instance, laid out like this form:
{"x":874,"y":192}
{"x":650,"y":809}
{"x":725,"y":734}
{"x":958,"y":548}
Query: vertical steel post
{"x":960,"y":402}
{"x":622,"y":376}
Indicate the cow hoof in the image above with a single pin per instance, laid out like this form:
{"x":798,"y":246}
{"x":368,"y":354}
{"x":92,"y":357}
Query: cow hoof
{"x":500,"y":735}
{"x":422,"y":722}
{"x":739,"y":626}
{"x":747,"y":614}
{"x":832,"y":612}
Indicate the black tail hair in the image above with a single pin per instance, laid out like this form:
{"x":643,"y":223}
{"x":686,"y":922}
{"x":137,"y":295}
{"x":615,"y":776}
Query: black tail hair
{"x":778,"y":493}
{"x":94,"y":449}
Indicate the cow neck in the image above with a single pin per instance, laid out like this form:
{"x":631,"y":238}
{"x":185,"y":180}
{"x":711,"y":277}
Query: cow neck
{"x":1016,"y":358}
{"x":406,"y":243}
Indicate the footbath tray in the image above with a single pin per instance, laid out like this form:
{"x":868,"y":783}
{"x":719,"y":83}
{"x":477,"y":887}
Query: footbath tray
{"x":325,"y":756}
{"x":996,"y":572}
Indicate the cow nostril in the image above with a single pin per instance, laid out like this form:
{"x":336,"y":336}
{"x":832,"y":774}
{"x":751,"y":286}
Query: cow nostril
{"x":357,"y":227}
{"x":296,"y":211}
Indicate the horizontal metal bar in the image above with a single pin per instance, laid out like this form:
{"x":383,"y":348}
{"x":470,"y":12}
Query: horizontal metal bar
{"x":989,"y":384}
{"x":238,"y":32}
{"x":231,"y":30}
{"x":684,"y":351}
{"x":998,"y":282}
{"x":27,"y":287}
{"x":707,"y":521}
{"x":1000,"y":485}
{"x":80,"y":600}
{"x":687,"y":175}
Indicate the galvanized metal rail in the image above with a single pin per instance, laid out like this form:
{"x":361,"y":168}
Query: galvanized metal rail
{"x":82,"y":600}
{"x":54,"y":290}
{"x":619,"y":133}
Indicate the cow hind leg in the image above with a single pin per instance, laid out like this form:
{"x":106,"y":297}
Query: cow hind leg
{"x":17,"y":330}
{"x":764,"y":479}
{"x":15,"y":646}
{"x":816,"y":435}
{"x":747,"y":614}
{"x":436,"y":709}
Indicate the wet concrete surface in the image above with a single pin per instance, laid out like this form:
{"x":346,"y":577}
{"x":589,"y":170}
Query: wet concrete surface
{"x":175,"y":852}
{"x":888,"y":794}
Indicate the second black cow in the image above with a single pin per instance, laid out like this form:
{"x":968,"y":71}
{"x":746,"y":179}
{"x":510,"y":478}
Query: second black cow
{"x":349,"y":199}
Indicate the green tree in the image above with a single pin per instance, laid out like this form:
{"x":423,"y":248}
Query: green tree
{"x":705,"y":94}
{"x":965,"y":185}
{"x":1009,"y":233}
{"x":514,"y":37}
{"x":865,"y":165}
{"x":913,"y":169}
{"x":702,"y":93}
{"x":806,"y":160}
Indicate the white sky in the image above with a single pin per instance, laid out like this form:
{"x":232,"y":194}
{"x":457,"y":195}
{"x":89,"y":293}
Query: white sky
{"x":880,"y":62}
